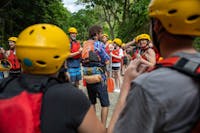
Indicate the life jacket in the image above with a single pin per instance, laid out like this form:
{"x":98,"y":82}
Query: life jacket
{"x":139,"y":52}
{"x":89,"y":54}
{"x":187,"y":67}
{"x":75,"y":46}
{"x":116,"y":52}
{"x":107,"y":49}
{"x":12,"y":58}
{"x":157,"y":53}
{"x":20,"y":112}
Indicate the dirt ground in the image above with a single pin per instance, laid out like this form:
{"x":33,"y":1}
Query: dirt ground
{"x":113,"y":100}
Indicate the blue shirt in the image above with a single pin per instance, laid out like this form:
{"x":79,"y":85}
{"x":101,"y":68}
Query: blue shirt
{"x":100,"y":49}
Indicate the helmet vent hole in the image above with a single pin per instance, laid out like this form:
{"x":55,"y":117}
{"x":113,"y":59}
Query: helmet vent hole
{"x":56,"y":57}
{"x":41,"y":62}
{"x":43,"y":27}
{"x":170,"y":25}
{"x":172,"y":11}
{"x":31,"y":32}
{"x":193,"y":17}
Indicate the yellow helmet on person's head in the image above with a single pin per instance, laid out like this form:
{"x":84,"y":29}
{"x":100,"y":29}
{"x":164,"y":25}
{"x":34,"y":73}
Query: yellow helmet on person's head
{"x":136,"y":39}
{"x":14,"y":39}
{"x":106,"y":35}
{"x":118,"y":41}
{"x":180,"y":17}
{"x":109,"y":41}
{"x":42,"y":48}
{"x":143,"y":37}
{"x":72,"y":30}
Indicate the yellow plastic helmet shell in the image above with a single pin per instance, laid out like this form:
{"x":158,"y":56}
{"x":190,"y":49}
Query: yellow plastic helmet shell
{"x":106,"y":35}
{"x":181,"y":17}
{"x":109,"y":41}
{"x":118,"y":41}
{"x":5,"y":65}
{"x":42,"y":48}
{"x":136,"y":39}
{"x":123,"y":45}
{"x":143,"y":37}
{"x":14,"y":39}
{"x":72,"y":30}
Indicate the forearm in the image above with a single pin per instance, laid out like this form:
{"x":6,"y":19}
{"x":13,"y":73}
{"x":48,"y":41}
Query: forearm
{"x":74,"y":54}
{"x":119,"y":106}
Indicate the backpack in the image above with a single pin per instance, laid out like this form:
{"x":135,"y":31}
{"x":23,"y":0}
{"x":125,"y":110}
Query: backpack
{"x":187,"y":67}
{"x":89,"y":54}
{"x":12,"y":58}
{"x":75,"y":46}
{"x":20,"y":112}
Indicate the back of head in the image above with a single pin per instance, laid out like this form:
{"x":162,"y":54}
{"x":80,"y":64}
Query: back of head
{"x":42,"y":48}
{"x":178,"y":17}
{"x":94,"y":30}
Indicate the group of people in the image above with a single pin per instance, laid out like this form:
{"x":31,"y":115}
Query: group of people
{"x":155,"y":95}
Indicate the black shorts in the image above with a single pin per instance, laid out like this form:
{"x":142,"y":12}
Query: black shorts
{"x":115,"y":68}
{"x":98,"y":90}
{"x":125,"y":60}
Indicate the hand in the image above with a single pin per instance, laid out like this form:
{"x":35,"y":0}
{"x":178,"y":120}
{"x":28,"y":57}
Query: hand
{"x":135,"y":68}
{"x":80,"y":49}
{"x":2,"y":50}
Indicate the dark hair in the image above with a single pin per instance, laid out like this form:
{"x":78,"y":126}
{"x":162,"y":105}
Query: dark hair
{"x":94,"y":30}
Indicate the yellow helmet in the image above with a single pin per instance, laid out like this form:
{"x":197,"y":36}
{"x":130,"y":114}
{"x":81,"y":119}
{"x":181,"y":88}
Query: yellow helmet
{"x":109,"y":41}
{"x":5,"y":65}
{"x":123,"y":45}
{"x":106,"y":35}
{"x":42,"y":48}
{"x":136,"y":39}
{"x":118,"y":41}
{"x":143,"y":36}
{"x":181,"y":17}
{"x":72,"y":30}
{"x":14,"y":39}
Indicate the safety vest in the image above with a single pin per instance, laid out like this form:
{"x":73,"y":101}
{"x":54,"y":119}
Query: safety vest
{"x":12,"y":58}
{"x":187,"y":67}
{"x":75,"y":46}
{"x":116,"y":52}
{"x":20,"y":112}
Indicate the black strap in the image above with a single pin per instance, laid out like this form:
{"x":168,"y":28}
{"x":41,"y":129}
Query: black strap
{"x":188,"y":67}
{"x":182,"y":65}
{"x":5,"y":82}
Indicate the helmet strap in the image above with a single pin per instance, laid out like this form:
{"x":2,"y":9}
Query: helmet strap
{"x":156,"y":40}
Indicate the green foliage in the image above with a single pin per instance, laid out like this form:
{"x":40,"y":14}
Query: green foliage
{"x":82,"y":20}
{"x":19,"y":14}
{"x":137,"y":23}
{"x":197,"y":43}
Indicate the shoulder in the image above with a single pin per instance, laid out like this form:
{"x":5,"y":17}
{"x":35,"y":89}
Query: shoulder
{"x":66,"y":93}
{"x":164,"y":84}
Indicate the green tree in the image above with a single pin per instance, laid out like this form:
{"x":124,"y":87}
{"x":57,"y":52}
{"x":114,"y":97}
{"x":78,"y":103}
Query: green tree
{"x":18,"y":14}
{"x":83,"y":20}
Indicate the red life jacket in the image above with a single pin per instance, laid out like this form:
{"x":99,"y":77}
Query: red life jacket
{"x":20,"y":113}
{"x":187,"y":67}
{"x":138,"y":52}
{"x":107,"y":49}
{"x":75,"y":46}
{"x":116,"y":52}
{"x":12,"y":58}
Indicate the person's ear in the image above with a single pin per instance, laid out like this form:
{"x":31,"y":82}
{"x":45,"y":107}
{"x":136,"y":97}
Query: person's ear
{"x":157,"y":26}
